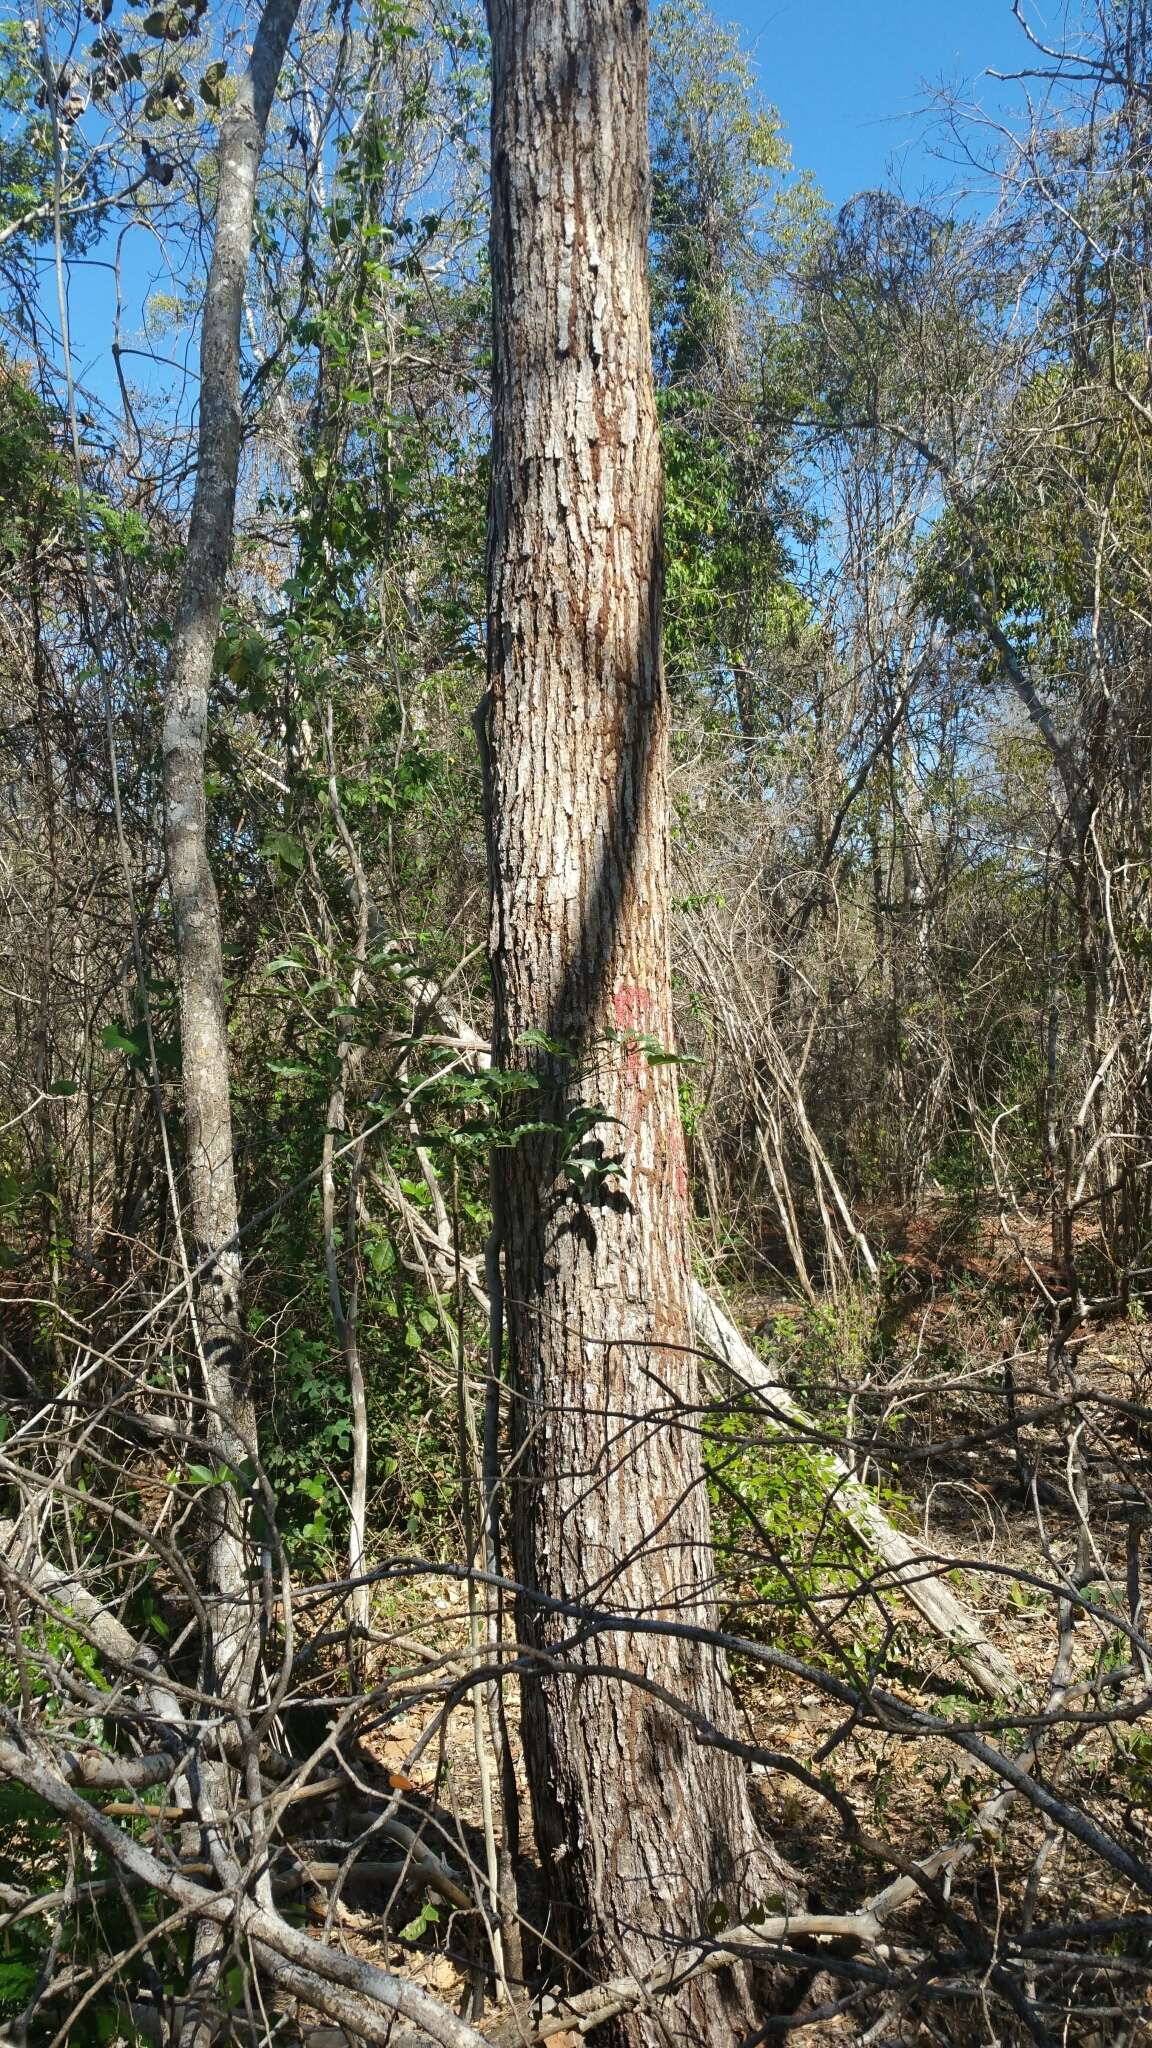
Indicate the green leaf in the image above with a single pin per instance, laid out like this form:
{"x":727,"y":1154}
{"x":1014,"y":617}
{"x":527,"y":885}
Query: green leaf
{"x":17,"y":1978}
{"x":63,"y":1088}
{"x":506,"y":1141}
{"x":546,"y":1044}
{"x":425,"y":1918}
{"x":280,"y":846}
{"x":115,"y":1040}
{"x":170,"y":23}
{"x":210,"y":84}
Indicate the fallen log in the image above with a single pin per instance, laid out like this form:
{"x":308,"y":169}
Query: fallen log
{"x":913,"y":1573}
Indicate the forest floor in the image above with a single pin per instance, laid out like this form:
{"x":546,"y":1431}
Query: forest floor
{"x":962,"y":1347}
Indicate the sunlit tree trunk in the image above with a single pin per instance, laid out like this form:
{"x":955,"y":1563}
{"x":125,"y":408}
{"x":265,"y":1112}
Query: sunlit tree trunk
{"x":647,"y":1833}
{"x":211,"y":1173}
{"x":229,"y":1420}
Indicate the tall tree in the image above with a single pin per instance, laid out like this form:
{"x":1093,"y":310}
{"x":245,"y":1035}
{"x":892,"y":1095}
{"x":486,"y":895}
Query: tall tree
{"x":646,"y":1832}
{"x":215,"y":1217}
{"x":230,"y":1423}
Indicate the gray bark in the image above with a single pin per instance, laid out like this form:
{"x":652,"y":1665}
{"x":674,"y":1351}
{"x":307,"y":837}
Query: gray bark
{"x":231,"y":1426}
{"x":230,"y":1422}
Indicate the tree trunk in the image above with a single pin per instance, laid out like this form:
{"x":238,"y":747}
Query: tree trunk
{"x":647,"y":1835}
{"x":230,"y":1420}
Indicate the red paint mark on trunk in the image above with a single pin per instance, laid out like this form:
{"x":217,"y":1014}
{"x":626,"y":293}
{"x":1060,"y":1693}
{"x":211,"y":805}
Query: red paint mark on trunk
{"x":631,"y":1005}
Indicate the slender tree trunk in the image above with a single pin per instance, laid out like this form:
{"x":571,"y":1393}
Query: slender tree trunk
{"x":647,"y":1834}
{"x":231,"y":1425}
{"x":230,"y":1421}
{"x":344,"y":1297}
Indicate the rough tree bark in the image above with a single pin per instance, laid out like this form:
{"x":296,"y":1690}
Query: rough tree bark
{"x":211,"y":1178}
{"x":645,"y":1833}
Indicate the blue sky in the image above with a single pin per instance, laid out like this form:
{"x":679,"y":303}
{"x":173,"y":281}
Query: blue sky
{"x":848,"y":76}
{"x":850,"y":79}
